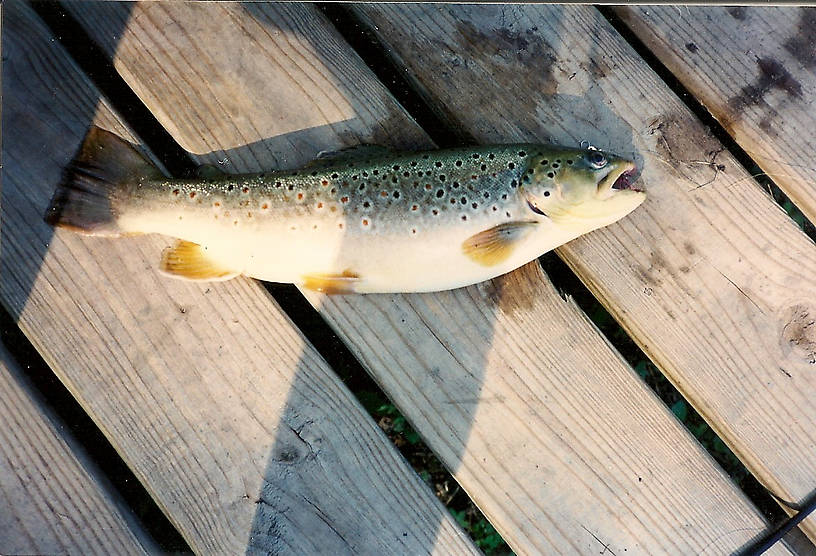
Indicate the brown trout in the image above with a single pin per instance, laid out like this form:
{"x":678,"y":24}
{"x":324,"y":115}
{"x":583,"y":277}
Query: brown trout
{"x":365,"y":219}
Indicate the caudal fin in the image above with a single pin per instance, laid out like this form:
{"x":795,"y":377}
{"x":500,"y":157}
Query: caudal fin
{"x":96,"y":184}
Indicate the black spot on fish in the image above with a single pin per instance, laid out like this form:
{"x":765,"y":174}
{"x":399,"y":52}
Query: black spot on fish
{"x":440,"y":193}
{"x":737,"y":13}
{"x":691,"y":47}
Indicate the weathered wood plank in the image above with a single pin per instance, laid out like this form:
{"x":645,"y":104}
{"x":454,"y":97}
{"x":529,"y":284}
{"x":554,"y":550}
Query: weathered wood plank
{"x":760,"y":83}
{"x":237,"y":427}
{"x":709,"y":276}
{"x":53,"y":499}
{"x":543,"y":424}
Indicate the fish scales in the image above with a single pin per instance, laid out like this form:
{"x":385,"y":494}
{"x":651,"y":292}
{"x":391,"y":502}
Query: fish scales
{"x":394,"y":195}
{"x":362,"y":220}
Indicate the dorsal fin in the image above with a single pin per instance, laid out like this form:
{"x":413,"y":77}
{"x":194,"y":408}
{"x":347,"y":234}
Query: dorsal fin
{"x":328,"y":158}
{"x":209,"y":172}
{"x":189,"y":261}
{"x":495,"y":245}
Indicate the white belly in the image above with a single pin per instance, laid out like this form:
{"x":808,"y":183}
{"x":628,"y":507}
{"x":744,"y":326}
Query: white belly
{"x":383,"y":261}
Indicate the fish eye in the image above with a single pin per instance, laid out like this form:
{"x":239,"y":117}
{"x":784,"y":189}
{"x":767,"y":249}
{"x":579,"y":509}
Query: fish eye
{"x":597,"y":159}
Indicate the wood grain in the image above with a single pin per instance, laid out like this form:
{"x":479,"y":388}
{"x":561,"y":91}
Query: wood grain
{"x":237,"y":427}
{"x":53,"y":499}
{"x":760,"y":83}
{"x":539,"y":420}
{"x":709,"y":276}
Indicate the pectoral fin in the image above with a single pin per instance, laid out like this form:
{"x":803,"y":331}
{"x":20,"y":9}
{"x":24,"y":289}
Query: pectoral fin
{"x":331,"y":283}
{"x":190,"y":261}
{"x":495,"y":245}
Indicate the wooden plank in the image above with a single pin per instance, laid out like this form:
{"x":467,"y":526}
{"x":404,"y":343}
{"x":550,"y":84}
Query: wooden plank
{"x":709,"y":276}
{"x":546,"y":428}
{"x":53,"y":499}
{"x":237,"y":427}
{"x":759,"y":83}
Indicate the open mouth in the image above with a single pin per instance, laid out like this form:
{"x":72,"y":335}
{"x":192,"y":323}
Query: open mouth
{"x":624,"y":181}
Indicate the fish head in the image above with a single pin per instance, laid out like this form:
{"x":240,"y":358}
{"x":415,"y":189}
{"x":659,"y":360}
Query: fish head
{"x":581,"y":189}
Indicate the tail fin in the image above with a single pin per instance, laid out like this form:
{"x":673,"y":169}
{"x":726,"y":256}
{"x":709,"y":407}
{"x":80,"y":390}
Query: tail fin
{"x":96,"y":183}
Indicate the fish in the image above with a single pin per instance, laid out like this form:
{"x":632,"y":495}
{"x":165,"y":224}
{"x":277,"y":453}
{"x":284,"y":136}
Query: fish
{"x":365,"y":219}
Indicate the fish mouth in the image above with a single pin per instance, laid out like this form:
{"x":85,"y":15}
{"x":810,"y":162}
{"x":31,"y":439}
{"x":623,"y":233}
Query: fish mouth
{"x":622,"y":179}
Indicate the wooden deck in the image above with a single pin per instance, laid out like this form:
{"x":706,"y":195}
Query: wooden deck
{"x":235,"y":423}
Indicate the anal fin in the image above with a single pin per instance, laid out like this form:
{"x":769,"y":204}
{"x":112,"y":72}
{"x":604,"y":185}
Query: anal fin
{"x":189,"y":261}
{"x":331,"y":283}
{"x":495,"y":245}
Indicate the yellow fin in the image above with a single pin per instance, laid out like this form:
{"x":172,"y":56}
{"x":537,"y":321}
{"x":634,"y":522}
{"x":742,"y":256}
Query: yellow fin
{"x":496,"y":244}
{"x":331,"y":283}
{"x":188,"y":260}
